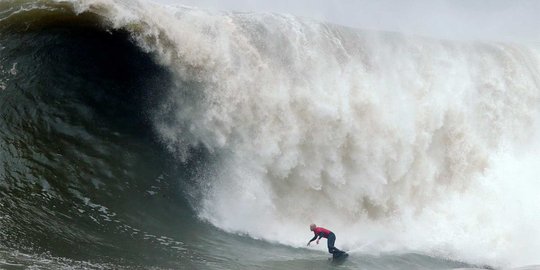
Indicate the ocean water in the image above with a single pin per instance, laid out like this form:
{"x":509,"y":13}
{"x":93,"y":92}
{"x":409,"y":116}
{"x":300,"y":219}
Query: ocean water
{"x":140,"y":136}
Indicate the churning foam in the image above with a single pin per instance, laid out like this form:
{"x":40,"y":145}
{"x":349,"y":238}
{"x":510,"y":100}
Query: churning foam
{"x":395,"y":143}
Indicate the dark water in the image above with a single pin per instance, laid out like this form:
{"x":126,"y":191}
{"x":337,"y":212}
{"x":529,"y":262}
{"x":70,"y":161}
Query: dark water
{"x":81,"y":174}
{"x":84,"y":181}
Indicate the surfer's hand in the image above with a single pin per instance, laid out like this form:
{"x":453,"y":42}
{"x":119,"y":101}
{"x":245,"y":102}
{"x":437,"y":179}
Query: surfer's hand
{"x":308,"y":243}
{"x":317,"y":242}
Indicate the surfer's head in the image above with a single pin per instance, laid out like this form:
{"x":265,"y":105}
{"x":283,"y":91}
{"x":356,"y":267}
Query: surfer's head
{"x":312,"y":226}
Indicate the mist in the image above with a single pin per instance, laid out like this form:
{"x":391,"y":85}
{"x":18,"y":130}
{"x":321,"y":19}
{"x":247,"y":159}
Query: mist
{"x":496,"y":20}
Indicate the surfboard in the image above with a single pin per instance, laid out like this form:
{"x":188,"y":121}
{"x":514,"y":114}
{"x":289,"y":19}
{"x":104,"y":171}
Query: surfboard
{"x":339,"y":257}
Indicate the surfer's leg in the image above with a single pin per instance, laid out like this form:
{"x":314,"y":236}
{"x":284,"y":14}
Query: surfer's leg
{"x":331,"y":248}
{"x":331,"y":241}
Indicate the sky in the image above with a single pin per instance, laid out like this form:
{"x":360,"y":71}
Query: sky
{"x":499,"y":20}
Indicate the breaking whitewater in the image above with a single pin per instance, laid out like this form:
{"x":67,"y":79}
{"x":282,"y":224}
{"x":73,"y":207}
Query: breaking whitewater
{"x":136,"y":135}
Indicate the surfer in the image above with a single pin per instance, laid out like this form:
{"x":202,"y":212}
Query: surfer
{"x":322,"y":232}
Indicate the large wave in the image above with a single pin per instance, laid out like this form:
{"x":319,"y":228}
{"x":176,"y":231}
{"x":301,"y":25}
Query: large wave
{"x":397,"y":143}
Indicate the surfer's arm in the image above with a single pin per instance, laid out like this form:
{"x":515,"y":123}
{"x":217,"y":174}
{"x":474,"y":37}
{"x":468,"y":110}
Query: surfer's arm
{"x":320,"y":236}
{"x":312,"y":239}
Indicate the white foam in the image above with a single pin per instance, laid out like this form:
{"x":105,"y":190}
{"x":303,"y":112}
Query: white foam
{"x":395,"y":143}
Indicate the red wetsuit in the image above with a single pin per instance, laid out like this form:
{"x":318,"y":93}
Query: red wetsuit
{"x":321,"y":232}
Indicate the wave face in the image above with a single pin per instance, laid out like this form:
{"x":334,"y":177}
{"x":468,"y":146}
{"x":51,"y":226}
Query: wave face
{"x":398,"y":144}
{"x":81,"y":176}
